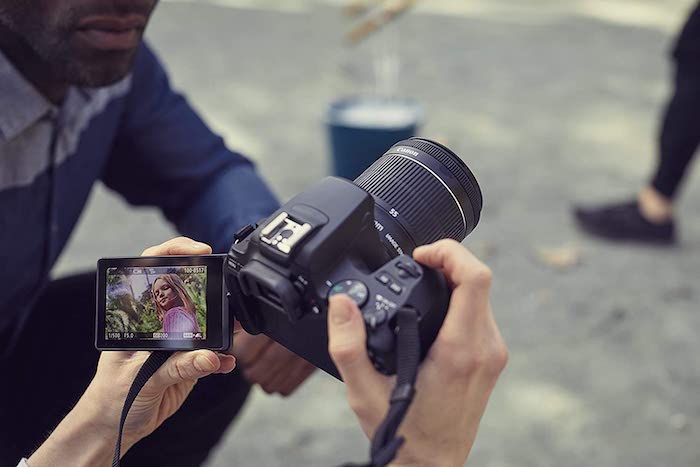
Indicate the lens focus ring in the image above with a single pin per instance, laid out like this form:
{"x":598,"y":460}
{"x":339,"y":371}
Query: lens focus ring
{"x":423,"y":204}
{"x":431,"y":191}
{"x":457,"y":168}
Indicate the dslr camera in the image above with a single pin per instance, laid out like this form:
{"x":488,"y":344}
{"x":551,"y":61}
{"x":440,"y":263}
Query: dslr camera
{"x":337,"y":237}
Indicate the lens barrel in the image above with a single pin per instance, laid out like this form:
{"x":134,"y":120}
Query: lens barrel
{"x":423,"y":192}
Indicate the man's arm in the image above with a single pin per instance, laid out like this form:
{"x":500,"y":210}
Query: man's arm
{"x":454,"y":382}
{"x":87,"y":435}
{"x":164,"y":155}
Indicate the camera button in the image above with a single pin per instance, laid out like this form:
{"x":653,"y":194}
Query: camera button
{"x":396,"y":288}
{"x":407,"y":269}
{"x":243,"y":232}
{"x":375,"y":318}
{"x":299,"y":286}
{"x":384,"y":278}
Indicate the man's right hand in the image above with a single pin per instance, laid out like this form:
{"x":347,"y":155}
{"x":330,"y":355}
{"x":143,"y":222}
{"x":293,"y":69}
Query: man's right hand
{"x":455,"y":380}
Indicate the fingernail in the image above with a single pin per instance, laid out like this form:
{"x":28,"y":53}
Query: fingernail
{"x":341,"y":313}
{"x":202,"y":363}
{"x":231,"y":357}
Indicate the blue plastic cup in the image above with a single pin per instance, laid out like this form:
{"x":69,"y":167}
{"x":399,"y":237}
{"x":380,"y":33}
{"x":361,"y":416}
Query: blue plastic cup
{"x":362,"y":129}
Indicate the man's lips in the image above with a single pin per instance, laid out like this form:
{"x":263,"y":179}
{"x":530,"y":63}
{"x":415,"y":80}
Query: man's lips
{"x":113,"y":23}
{"x":111,"y":32}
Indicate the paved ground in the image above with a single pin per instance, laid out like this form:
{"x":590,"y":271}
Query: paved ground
{"x":548,"y":102}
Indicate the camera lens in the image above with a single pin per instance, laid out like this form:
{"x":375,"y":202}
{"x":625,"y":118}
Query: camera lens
{"x":423,"y":192}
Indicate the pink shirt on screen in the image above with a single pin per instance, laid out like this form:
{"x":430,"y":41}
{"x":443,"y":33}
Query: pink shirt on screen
{"x":177,"y":319}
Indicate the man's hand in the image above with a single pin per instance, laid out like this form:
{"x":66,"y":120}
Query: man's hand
{"x":178,"y":246}
{"x":455,"y":380}
{"x":169,"y":387}
{"x":267,"y":363}
{"x":162,"y":395}
{"x":87,"y":435}
{"x":264,"y":362}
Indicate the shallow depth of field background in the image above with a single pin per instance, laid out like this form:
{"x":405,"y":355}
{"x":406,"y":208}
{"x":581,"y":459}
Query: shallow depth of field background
{"x":130,"y":303}
{"x":549,"y":102}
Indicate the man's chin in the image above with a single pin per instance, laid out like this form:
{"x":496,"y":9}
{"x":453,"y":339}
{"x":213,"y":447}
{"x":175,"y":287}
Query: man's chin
{"x":106,"y":70}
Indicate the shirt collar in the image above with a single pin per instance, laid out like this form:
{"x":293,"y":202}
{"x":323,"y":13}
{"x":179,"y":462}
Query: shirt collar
{"x":21,"y":105}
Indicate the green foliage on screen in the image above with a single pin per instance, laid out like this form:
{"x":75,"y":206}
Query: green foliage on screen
{"x":126,"y":313}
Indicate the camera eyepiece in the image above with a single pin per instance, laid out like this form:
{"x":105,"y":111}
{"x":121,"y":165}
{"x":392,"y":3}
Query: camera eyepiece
{"x":423,"y":192}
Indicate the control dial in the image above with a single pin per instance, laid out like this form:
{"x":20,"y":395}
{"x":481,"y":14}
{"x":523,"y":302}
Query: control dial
{"x":355,"y":289}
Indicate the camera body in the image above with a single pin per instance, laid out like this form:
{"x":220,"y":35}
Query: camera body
{"x":324,"y":242}
{"x":336,"y":237}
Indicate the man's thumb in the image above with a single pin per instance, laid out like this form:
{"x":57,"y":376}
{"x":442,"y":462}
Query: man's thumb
{"x":187,"y":366}
{"x":347,"y":340}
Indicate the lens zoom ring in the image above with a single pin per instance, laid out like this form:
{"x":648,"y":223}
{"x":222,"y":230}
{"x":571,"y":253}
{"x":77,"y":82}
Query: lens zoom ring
{"x":425,"y":204}
{"x":455,"y":166}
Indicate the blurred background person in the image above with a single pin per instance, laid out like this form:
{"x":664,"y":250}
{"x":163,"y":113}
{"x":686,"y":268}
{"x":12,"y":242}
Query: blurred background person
{"x":649,"y":217}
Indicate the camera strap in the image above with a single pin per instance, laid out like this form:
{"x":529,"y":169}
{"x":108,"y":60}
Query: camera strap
{"x":148,"y":369}
{"x":385,"y":443}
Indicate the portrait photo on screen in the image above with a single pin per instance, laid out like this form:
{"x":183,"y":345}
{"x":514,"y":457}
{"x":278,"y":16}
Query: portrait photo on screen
{"x":165,"y":302}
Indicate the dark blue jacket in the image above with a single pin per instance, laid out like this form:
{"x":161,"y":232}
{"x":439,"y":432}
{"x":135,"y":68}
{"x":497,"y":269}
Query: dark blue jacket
{"x":141,"y":139}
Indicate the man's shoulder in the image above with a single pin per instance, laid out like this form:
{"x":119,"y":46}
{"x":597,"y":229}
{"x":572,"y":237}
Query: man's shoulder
{"x":147,"y":66}
{"x":146,"y":57}
{"x":150,"y":87}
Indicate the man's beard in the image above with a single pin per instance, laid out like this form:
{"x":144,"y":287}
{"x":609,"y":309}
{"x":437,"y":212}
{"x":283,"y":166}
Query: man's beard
{"x":52,"y":45}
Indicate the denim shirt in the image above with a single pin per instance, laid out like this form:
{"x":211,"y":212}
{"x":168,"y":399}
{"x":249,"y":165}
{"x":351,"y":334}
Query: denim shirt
{"x":141,"y":139}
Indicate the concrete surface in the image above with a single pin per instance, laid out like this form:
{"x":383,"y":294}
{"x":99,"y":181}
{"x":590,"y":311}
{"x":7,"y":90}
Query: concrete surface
{"x":549,"y":102}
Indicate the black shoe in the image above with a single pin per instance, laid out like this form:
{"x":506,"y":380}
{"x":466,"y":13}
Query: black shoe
{"x":624,"y":221}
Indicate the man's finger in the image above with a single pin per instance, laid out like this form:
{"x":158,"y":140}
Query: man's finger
{"x":347,"y":347}
{"x":228,"y":363}
{"x":247,"y":348}
{"x":472,"y":281}
{"x":178,"y":246}
{"x":457,"y":263}
{"x":186,"y":366}
{"x":300,"y":374}
{"x":296,"y":372}
{"x":267,"y":367}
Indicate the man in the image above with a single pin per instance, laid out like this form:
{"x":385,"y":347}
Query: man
{"x":649,"y":217}
{"x":81,"y":100}
{"x":452,"y":390}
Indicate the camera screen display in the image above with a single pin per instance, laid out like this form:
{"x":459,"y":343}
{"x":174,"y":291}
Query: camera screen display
{"x":166,"y":302}
{"x":162,"y":302}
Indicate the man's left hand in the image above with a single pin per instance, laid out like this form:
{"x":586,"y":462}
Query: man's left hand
{"x":267,"y":363}
{"x":263,"y":361}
